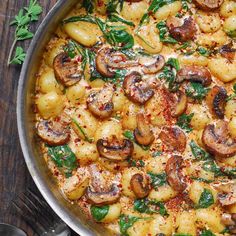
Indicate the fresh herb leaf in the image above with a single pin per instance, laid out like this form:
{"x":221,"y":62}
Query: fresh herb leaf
{"x":206,"y":199}
{"x":125,"y":222}
{"x":229,"y":171}
{"x":198,"y":152}
{"x":129,"y":135}
{"x":88,"y":5}
{"x":19,"y":56}
{"x":82,"y":131}
{"x":201,"y":179}
{"x":136,"y":163}
{"x":157,"y":154}
{"x":64,"y":158}
{"x":85,"y":18}
{"x":184,"y":122}
{"x":115,"y":18}
{"x":99,"y":212}
{"x":206,"y":232}
{"x":185,"y":6}
{"x":169,"y":73}
{"x":184,"y":46}
{"x":203,"y":51}
{"x":211,"y":166}
{"x":196,"y":91}
{"x":113,"y":4}
{"x":157,"y":180}
{"x":232,"y":96}
{"x":231,"y":33}
{"x":22,"y":22}
{"x":164,"y":33}
{"x":150,"y":206}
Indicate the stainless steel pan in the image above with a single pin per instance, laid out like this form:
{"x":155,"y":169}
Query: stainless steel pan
{"x":42,"y":177}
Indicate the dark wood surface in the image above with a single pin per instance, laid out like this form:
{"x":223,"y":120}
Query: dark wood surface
{"x":14,"y":176}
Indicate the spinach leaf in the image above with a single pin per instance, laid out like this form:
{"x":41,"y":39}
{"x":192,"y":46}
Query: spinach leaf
{"x":196,"y":91}
{"x":88,"y":5}
{"x":184,"y":122}
{"x":231,"y":33}
{"x":229,"y":171}
{"x":129,"y":135}
{"x":203,"y":51}
{"x":136,"y":163}
{"x":184,"y":46}
{"x":206,"y":232}
{"x":99,"y":212}
{"x":157,"y":154}
{"x":113,"y":4}
{"x":64,"y":158}
{"x":206,"y":199}
{"x":157,"y":180}
{"x":169,"y":73}
{"x":201,"y":179}
{"x":198,"y":152}
{"x":185,"y":6}
{"x":82,"y":131}
{"x":150,"y":206}
{"x":115,"y":18}
{"x":125,"y":222}
{"x":232,"y":96}
{"x":154,"y":6}
{"x":164,"y":33}
{"x":211,"y":166}
{"x":86,"y":18}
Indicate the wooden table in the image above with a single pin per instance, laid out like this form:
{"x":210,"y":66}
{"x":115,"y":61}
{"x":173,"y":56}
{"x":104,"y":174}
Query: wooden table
{"x":14,"y":176}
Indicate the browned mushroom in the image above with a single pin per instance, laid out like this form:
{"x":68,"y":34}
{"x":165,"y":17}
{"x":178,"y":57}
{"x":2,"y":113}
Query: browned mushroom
{"x":230,"y":221}
{"x":208,"y":4}
{"x":151,"y":65}
{"x":68,"y":71}
{"x":100,"y":102}
{"x":180,"y":104}
{"x":140,"y":185}
{"x":216,"y":100}
{"x":218,"y":141}
{"x":173,"y":172}
{"x":194,"y":73}
{"x":136,"y":89}
{"x":108,"y":59}
{"x":103,"y":198}
{"x":227,"y":192}
{"x":114,"y":149}
{"x":228,"y":51}
{"x":173,"y":139}
{"x":143,"y":134}
{"x":183,"y":32}
{"x":53,"y":133}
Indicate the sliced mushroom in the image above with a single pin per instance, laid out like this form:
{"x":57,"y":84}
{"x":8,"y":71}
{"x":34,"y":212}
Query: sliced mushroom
{"x":174,"y":176}
{"x":230,"y":221}
{"x":136,"y":89}
{"x":216,"y":101}
{"x":68,"y":71}
{"x":180,"y":104}
{"x":108,"y":59}
{"x":151,"y":65}
{"x":227,"y":192}
{"x":100,"y":102}
{"x":103,"y":198}
{"x":140,"y":185}
{"x":194,"y":73}
{"x":183,"y":32}
{"x":53,"y":133}
{"x":208,"y":4}
{"x":143,"y":134}
{"x":218,"y":141}
{"x":228,"y":51}
{"x":114,"y":149}
{"x":173,"y":139}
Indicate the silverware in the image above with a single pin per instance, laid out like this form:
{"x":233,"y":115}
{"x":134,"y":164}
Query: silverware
{"x":10,"y":230}
{"x":38,"y":214}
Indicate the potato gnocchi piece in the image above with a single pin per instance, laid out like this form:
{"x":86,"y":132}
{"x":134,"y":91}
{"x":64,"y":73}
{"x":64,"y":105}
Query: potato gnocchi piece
{"x":163,"y":193}
{"x":130,"y":112}
{"x":228,"y":8}
{"x":230,"y":109}
{"x":224,"y":73}
{"x":193,"y":60}
{"x":113,"y":213}
{"x":208,"y":22}
{"x":230,"y":26}
{"x":84,"y":33}
{"x":75,"y":93}
{"x":161,"y":225}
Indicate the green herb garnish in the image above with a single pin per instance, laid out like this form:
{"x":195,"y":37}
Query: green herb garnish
{"x":211,"y":166}
{"x":164,"y":33}
{"x":206,"y":232}
{"x":64,"y":158}
{"x":99,"y":212}
{"x":86,"y":138}
{"x":22,"y":21}
{"x":125,"y":222}
{"x":150,"y":206}
{"x":88,"y":5}
{"x":232,"y":96}
{"x":113,"y":4}
{"x":203,"y":51}
{"x":115,"y":18}
{"x":206,"y":199}
{"x":196,"y":91}
{"x":198,"y":152}
{"x":184,"y":122}
{"x":201,"y":179}
{"x":157,"y":180}
{"x":157,"y":154}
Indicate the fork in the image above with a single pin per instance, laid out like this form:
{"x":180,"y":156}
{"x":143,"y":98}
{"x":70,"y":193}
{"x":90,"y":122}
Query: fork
{"x":38,"y":214}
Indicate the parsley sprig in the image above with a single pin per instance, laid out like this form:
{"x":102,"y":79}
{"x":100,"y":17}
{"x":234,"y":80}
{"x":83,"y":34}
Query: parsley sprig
{"x":22,"y":22}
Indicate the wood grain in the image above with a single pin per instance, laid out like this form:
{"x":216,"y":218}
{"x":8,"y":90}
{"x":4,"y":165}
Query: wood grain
{"x":14,"y":176}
